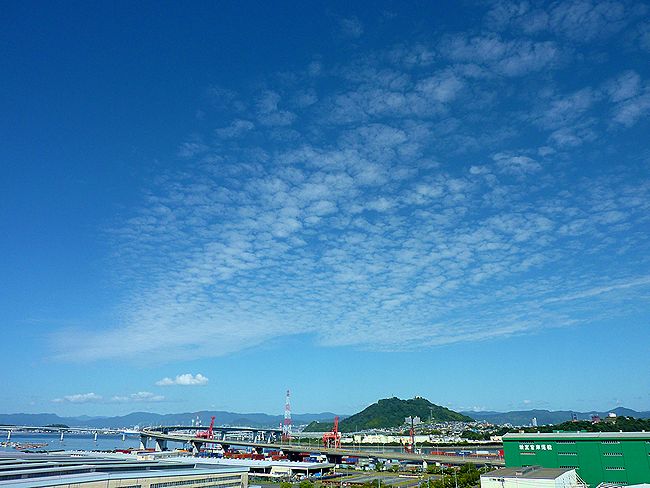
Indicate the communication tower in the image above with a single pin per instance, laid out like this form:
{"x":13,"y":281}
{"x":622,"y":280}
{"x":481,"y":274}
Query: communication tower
{"x":286,"y":425}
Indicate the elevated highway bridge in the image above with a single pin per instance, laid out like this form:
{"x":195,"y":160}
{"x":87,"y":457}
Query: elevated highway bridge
{"x":32,"y":428}
{"x":227,"y":433}
{"x":334,"y":455}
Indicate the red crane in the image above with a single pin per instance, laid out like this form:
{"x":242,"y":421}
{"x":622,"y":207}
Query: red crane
{"x":207,"y":434}
{"x":410,"y":447}
{"x":333,"y":438}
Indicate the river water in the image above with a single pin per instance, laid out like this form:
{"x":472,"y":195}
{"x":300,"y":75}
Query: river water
{"x":109,"y":442}
{"x":77,"y":442}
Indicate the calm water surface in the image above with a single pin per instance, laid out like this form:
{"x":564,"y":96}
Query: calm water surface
{"x":84,"y":442}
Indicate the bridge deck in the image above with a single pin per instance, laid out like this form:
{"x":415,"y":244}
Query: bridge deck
{"x":402,"y":456}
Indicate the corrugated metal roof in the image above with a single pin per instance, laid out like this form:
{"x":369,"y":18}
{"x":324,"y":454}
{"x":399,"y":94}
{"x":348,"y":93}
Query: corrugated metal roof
{"x":578,"y":435}
{"x":529,"y":473}
{"x":45,"y":470}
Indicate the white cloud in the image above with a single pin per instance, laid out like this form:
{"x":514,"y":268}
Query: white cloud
{"x":79,"y":398}
{"x":442,"y":87}
{"x":350,"y":28}
{"x":186,"y":379}
{"x":624,"y":86}
{"x":235,"y":129}
{"x":379,"y":216}
{"x":578,"y":20}
{"x":563,"y":110}
{"x":629,"y":111}
{"x":506,"y":57}
{"x":643,"y":36}
{"x":516,"y":164}
{"x":139,"y":397}
{"x":269,"y":113}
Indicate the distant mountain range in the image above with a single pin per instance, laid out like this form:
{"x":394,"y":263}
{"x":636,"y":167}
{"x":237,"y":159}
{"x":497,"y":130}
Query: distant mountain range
{"x":147,"y":418}
{"x":524,"y":417}
{"x":391,"y":410}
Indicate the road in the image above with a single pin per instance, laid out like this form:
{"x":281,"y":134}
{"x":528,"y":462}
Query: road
{"x":401,"y":456}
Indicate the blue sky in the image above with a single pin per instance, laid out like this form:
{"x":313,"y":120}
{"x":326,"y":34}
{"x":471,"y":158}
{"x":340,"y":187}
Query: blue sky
{"x":204,"y":205}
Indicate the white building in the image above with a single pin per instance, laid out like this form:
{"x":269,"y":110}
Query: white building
{"x":532,"y":476}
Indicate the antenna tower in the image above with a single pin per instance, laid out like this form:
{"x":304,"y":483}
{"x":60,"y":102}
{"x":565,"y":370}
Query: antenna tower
{"x":286,"y":425}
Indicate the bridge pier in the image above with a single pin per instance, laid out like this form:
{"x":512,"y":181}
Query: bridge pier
{"x":196,"y":447}
{"x":161,"y":445}
{"x":334,"y":458}
{"x":293,"y":456}
{"x":143,"y":442}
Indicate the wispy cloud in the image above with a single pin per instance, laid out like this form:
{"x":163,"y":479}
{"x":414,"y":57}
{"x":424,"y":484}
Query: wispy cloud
{"x":578,"y":20}
{"x":504,"y":57}
{"x":350,"y":27}
{"x":186,"y":379}
{"x":139,"y":397}
{"x":79,"y":398}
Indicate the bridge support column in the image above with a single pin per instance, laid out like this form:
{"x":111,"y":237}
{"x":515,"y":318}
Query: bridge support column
{"x":196,"y":447}
{"x":293,"y":456}
{"x":161,"y":445}
{"x":143,"y":442}
{"x":334,"y":458}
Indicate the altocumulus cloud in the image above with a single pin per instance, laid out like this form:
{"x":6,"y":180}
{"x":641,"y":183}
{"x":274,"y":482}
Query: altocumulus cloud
{"x":427,"y":193}
{"x":186,"y":379}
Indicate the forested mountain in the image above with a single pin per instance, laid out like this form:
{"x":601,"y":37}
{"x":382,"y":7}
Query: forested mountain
{"x":391,"y":412}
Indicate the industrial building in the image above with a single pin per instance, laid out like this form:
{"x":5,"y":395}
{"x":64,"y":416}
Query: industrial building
{"x":533,"y":476}
{"x":263,"y":468}
{"x":621,"y":458}
{"x":68,"y":470}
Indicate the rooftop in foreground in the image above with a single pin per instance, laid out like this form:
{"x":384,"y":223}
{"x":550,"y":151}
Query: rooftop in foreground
{"x":26,"y":470}
{"x":530,"y":473}
{"x":578,"y":435}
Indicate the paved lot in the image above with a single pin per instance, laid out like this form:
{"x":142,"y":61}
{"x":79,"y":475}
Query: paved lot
{"x":386,"y":479}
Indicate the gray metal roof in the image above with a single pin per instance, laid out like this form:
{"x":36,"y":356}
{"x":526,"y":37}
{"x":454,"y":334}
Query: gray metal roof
{"x":37,"y":470}
{"x":533,"y":473}
{"x":578,"y":436}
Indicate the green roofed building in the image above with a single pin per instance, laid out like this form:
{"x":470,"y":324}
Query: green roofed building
{"x":598,"y":457}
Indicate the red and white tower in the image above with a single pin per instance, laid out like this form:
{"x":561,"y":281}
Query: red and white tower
{"x":286,"y":425}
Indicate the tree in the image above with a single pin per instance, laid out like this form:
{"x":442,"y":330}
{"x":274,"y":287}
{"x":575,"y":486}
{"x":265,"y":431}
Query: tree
{"x":306,"y":484}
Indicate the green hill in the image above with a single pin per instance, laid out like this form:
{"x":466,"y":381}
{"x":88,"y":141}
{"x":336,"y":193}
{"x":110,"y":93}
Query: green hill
{"x":317,"y":426}
{"x":391,"y":412}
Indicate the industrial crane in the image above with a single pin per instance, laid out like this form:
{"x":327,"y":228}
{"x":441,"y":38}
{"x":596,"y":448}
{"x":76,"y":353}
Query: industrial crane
{"x":410,"y":447}
{"x":207,"y":434}
{"x":333,"y":438}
